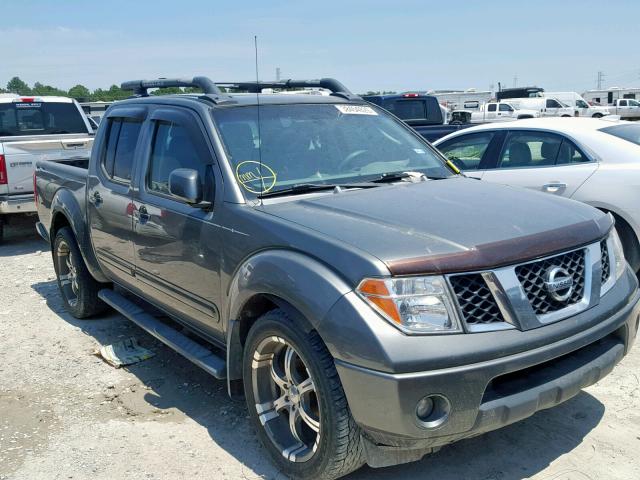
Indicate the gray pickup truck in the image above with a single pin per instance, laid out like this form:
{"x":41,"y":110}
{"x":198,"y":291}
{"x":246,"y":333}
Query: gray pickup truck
{"x":369,"y":302}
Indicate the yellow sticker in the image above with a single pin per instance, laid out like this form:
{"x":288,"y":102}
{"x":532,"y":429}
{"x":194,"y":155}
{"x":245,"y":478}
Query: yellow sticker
{"x":255,"y":177}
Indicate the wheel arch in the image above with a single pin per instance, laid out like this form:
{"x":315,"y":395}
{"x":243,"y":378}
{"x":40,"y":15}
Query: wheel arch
{"x":66,"y":212}
{"x":300,"y":285}
{"x":628,"y":236}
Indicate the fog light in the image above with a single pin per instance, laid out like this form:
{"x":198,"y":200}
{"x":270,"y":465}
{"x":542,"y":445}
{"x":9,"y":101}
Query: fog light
{"x":432,"y":411}
{"x":424,"y":408}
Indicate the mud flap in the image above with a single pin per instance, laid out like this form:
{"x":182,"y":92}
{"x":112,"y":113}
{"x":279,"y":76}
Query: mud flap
{"x":378,"y":456}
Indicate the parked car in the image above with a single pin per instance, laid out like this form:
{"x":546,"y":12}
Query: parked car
{"x":546,"y":107}
{"x":493,"y":112}
{"x":590,"y":160}
{"x":422,"y":112}
{"x":282,"y":231}
{"x":31,"y":129}
{"x":579,"y":104}
{"x":627,"y":109}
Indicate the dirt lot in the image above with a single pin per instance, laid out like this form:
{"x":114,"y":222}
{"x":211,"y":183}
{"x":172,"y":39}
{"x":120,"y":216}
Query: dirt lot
{"x":65,"y":414}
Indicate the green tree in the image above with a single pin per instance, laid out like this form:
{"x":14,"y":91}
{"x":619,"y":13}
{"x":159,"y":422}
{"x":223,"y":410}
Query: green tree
{"x":40,"y":89}
{"x":16,"y":85}
{"x":80,"y":92}
{"x":167,"y":91}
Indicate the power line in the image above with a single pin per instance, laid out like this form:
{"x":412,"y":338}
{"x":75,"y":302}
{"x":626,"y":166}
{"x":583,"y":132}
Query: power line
{"x":600,"y":79}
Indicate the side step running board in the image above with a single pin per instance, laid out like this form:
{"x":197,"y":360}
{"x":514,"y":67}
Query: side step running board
{"x":182,"y":344}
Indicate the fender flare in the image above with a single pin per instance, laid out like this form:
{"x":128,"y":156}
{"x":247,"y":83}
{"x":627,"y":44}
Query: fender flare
{"x":65,"y":203}
{"x":298,"y":283}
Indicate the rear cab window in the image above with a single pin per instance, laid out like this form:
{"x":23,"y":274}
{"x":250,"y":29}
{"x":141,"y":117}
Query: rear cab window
{"x":414,"y":111}
{"x":40,"y":118}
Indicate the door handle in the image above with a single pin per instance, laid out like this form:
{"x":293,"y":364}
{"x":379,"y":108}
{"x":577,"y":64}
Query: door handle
{"x":143,"y":215}
{"x":96,"y":199}
{"x":554,"y":187}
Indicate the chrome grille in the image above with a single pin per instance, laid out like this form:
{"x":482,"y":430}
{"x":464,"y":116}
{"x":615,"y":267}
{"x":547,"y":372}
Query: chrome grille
{"x":531,"y":276}
{"x":476,"y":302}
{"x":606,"y":266}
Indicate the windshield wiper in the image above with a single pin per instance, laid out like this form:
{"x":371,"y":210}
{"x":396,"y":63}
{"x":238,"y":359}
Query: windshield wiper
{"x":312,"y":187}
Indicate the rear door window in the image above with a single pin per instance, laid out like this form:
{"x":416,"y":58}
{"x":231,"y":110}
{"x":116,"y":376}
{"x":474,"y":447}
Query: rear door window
{"x":40,"y":118}
{"x":492,"y":107}
{"x":530,"y":149}
{"x":121,"y":146}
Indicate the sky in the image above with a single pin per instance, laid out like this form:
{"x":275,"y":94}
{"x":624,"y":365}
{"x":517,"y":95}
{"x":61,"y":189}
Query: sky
{"x":368,"y":45}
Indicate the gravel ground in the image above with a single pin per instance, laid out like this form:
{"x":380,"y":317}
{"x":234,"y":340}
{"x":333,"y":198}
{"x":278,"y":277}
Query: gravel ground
{"x":65,"y":414}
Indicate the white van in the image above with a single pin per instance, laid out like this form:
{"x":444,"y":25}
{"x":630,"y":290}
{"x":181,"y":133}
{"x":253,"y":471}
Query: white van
{"x":548,"y":107}
{"x":579,"y":104}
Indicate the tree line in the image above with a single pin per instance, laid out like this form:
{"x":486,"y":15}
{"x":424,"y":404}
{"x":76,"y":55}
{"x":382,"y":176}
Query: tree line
{"x":113,"y":93}
{"x":82,"y":93}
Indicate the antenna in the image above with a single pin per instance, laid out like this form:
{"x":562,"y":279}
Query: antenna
{"x":255,"y":45}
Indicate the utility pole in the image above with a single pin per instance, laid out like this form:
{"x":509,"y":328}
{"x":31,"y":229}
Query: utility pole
{"x":600,"y":79}
{"x":277,"y":74}
{"x":515,"y":80}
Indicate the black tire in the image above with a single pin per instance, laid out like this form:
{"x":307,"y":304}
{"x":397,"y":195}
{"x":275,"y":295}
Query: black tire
{"x":597,"y":115}
{"x":1,"y":230}
{"x":78,"y":288}
{"x":337,"y":447}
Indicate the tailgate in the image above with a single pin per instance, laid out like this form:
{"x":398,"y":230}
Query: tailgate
{"x":21,"y":157}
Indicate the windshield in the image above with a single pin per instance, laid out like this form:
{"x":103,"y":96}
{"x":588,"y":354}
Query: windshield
{"x":629,"y":132}
{"x":40,"y":118}
{"x":319,"y":144}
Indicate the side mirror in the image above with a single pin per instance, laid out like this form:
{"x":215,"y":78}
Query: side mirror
{"x":185,"y":184}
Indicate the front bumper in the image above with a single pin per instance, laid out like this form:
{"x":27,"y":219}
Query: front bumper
{"x":17,"y":204}
{"x":495,"y":392}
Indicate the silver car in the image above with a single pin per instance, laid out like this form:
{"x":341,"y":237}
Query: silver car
{"x":596,"y":161}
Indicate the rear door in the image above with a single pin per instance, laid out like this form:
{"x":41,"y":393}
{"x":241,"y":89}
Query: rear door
{"x":491,"y":112}
{"x":110,"y":192}
{"x":32,"y":130}
{"x":178,"y":246}
{"x":542,"y":161}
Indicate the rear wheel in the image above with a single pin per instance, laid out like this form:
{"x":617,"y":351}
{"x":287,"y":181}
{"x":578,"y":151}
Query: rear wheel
{"x":597,"y":115}
{"x":297,"y":403}
{"x":1,"y":229}
{"x":78,"y":288}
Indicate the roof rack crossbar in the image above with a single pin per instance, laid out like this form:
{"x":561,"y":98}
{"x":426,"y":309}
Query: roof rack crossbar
{"x":331,"y":84}
{"x":140,"y":87}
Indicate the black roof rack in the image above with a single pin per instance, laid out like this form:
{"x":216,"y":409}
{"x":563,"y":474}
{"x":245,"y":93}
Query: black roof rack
{"x":331,"y":84}
{"x":209,"y":88}
{"x":212,"y":91}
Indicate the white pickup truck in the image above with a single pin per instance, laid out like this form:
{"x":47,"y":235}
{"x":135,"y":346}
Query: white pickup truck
{"x":626,"y":108}
{"x":493,"y":112}
{"x":36,"y":128}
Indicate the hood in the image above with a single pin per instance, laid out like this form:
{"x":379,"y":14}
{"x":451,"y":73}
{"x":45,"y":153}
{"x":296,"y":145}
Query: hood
{"x":445,"y":226}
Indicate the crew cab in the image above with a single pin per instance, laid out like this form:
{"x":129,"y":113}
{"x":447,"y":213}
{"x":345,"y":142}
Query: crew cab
{"x":32,"y":129}
{"x":491,"y":112}
{"x":422,"y":112}
{"x":370,"y":303}
{"x":627,"y":109}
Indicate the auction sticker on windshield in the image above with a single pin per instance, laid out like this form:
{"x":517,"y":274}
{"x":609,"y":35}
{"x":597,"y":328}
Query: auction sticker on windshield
{"x":255,"y":177}
{"x":356,"y":110}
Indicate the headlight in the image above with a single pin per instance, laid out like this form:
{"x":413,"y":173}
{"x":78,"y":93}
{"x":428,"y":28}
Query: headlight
{"x":618,"y":254}
{"x":415,"y":304}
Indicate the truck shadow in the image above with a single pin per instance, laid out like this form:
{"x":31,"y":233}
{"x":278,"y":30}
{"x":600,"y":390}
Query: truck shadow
{"x":20,"y":238}
{"x":172,"y":383}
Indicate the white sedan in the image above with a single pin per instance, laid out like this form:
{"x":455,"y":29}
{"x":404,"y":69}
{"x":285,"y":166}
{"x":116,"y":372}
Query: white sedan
{"x":596,"y":161}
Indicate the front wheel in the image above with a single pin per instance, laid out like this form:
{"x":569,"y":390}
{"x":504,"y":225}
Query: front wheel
{"x":296,"y":401}
{"x":597,"y":115}
{"x":78,"y":288}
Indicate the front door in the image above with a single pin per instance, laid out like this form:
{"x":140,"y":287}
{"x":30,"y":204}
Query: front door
{"x":109,"y":194}
{"x":177,"y":245}
{"x":541,"y":161}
